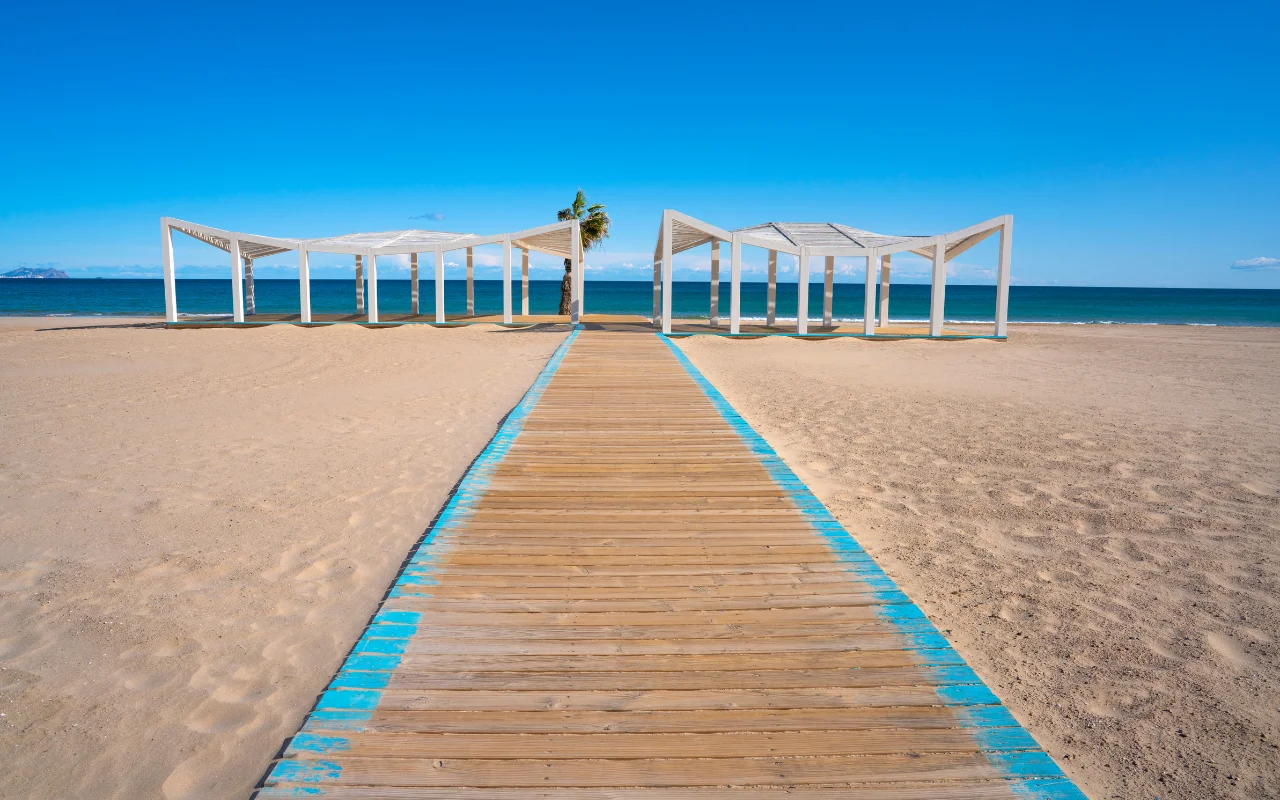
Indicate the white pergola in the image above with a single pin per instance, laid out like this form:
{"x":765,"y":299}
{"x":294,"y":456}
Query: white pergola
{"x":680,"y":232}
{"x":557,"y":239}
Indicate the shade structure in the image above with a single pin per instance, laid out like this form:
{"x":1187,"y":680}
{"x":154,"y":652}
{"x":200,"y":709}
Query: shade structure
{"x":680,"y":232}
{"x":557,"y":239}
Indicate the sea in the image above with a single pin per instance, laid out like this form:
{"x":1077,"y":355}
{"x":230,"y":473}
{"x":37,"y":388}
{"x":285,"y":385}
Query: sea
{"x":690,"y":299}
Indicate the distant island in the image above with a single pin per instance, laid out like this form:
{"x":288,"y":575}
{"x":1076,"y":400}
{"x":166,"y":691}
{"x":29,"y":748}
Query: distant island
{"x":28,"y":272}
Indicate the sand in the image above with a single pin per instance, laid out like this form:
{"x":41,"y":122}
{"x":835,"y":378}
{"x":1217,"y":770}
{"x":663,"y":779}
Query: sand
{"x":196,"y":525}
{"x":1091,"y":513}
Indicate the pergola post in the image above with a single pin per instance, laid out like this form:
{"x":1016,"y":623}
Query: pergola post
{"x":170,"y":279}
{"x":250,"y":305}
{"x":524,"y":281}
{"x":938,"y":289}
{"x":373,"y":287}
{"x":802,"y":292}
{"x":439,"y":286}
{"x":304,"y":285}
{"x":471,"y":283}
{"x":413,"y":283}
{"x":237,"y":282}
{"x":884,"y":291}
{"x":869,"y":297}
{"x":771,"y":299}
{"x":657,"y":289}
{"x":828,"y":290}
{"x":1002,"y":277}
{"x":506,"y":280}
{"x":715,"y":284}
{"x":666,"y":272}
{"x":575,"y":266}
{"x":735,"y":284}
{"x":359,"y":285}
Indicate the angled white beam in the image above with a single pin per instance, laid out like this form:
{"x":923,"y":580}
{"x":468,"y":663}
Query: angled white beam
{"x":735,"y":283}
{"x":884,"y":291}
{"x":439,"y":286}
{"x":413,"y":283}
{"x":373,"y":287}
{"x":471,"y":282}
{"x":1002,"y":277}
{"x":715,"y":285}
{"x":771,"y":299}
{"x":869,"y":297}
{"x":771,"y":244}
{"x":802,"y":292}
{"x":828,"y":290}
{"x":359,"y":284}
{"x":170,"y":279}
{"x":666,"y":271}
{"x":575,"y":266}
{"x":304,"y":285}
{"x":506,"y":280}
{"x":524,"y":281}
{"x":237,"y":280}
{"x":938,"y":290}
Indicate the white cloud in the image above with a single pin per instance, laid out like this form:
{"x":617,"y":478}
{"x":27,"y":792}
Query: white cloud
{"x":435,"y":216}
{"x":1261,"y":262}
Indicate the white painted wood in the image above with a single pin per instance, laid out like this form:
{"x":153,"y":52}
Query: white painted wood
{"x":471,"y":282}
{"x":439,"y":286}
{"x":237,"y":282}
{"x":657,"y":286}
{"x":884,"y":291}
{"x":304,"y":285}
{"x":373,"y":287}
{"x":735,"y":283}
{"x":771,"y":300}
{"x":413,"y":284}
{"x":582,"y":286}
{"x":802,"y":292}
{"x":575,"y":266}
{"x":938,"y":291}
{"x":506,"y":280}
{"x":666,"y":272}
{"x":1002,"y":277}
{"x":250,"y":302}
{"x":359,"y":284}
{"x":869,"y":297}
{"x":524,"y":281}
{"x":828,"y":290}
{"x":170,"y":278}
{"x":715,"y":284}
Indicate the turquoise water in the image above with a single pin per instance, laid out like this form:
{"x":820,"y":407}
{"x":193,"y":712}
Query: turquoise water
{"x":689,"y":299}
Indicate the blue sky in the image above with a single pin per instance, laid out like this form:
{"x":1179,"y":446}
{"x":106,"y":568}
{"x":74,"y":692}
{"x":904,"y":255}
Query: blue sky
{"x":1136,"y":144}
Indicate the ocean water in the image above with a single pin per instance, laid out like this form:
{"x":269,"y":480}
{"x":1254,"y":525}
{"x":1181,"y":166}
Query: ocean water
{"x":690,"y":299}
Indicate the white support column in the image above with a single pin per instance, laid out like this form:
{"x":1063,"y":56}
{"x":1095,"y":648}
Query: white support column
{"x":828,"y":290}
{"x":715,"y":284}
{"x":575,"y":266}
{"x":359,"y":285}
{"x":735,"y":284}
{"x":657,"y":289}
{"x":666,"y":273}
{"x":506,"y":279}
{"x":938,"y":289}
{"x":237,"y":282}
{"x":1002,"y":277}
{"x":582,"y":286}
{"x":884,"y":291}
{"x":771,"y":300}
{"x":802,"y":292}
{"x":170,"y":280}
{"x":304,"y":285}
{"x":869,"y":296}
{"x":471,"y":283}
{"x":373,"y":287}
{"x":250,"y":302}
{"x":413,"y":283}
{"x":524,"y":281}
{"x":439,"y":286}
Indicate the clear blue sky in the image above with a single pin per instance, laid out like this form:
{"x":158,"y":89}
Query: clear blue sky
{"x":1136,"y":144}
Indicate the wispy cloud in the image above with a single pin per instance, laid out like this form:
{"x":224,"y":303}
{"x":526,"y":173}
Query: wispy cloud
{"x":1261,"y":262}
{"x":435,"y":216}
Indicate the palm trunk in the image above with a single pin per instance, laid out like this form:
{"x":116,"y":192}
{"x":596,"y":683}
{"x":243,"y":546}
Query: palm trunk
{"x":566,"y":287}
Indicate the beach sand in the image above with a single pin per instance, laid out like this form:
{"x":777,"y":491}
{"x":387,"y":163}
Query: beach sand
{"x":196,"y":525}
{"x":1091,"y":513}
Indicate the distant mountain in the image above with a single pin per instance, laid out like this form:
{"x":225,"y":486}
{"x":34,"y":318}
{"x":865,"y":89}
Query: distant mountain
{"x":28,"y":272}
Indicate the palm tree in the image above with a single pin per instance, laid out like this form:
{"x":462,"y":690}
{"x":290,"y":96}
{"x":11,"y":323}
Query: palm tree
{"x":593,"y":225}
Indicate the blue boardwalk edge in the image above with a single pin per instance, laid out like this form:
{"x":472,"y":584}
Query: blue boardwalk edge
{"x":1020,"y":762}
{"x":356,"y":689}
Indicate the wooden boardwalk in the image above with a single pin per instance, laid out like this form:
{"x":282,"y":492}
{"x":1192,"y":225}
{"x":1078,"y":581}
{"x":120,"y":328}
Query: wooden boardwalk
{"x":631,"y":596}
